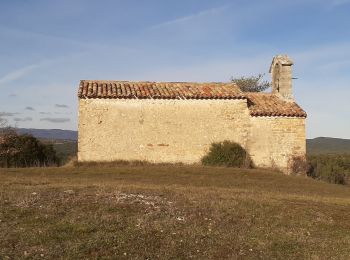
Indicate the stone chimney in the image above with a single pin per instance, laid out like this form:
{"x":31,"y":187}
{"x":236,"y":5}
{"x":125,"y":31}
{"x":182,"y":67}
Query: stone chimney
{"x":281,"y":73}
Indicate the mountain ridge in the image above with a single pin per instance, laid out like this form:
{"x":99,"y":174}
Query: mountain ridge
{"x":56,"y":134}
{"x":327,"y":145}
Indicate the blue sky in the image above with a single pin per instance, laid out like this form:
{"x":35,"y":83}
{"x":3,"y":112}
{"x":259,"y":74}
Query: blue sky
{"x":48,"y":46}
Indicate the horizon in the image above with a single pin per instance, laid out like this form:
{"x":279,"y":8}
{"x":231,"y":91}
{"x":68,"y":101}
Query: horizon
{"x":47,"y":47}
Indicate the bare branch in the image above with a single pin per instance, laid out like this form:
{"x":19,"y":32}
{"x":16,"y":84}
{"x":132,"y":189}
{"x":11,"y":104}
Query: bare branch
{"x":252,"y":83}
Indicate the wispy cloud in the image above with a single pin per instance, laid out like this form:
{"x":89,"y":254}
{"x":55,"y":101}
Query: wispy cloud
{"x":41,"y":36}
{"x":19,"y":73}
{"x":214,"y":70}
{"x":13,"y":95}
{"x":85,"y":47}
{"x":45,"y":113}
{"x":30,"y":108}
{"x":24,"y":71}
{"x":24,"y":119}
{"x":328,"y":59}
{"x":61,"y":106}
{"x":340,"y":2}
{"x":184,"y":19}
{"x":55,"y":120}
{"x":336,"y":50}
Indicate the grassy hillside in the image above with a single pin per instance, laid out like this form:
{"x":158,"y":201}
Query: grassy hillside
{"x":65,"y":149}
{"x":326,"y":145}
{"x":162,"y":212}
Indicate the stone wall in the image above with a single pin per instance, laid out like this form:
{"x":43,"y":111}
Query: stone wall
{"x":158,"y":130}
{"x":274,"y":141}
{"x":182,"y":131}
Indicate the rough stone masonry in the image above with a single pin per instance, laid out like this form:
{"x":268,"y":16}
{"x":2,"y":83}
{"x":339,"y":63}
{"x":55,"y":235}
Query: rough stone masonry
{"x":178,"y":121}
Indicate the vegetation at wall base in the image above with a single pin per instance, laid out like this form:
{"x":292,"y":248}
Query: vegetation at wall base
{"x":118,"y":163}
{"x":227,"y":153}
{"x":298,"y":165}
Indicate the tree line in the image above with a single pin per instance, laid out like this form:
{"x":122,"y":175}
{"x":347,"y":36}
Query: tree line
{"x":24,"y":150}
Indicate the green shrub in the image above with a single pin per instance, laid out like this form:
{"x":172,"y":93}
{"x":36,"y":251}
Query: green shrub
{"x":228,"y":154}
{"x":331,"y":168}
{"x":25,"y":151}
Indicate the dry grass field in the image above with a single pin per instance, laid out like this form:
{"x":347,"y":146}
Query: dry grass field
{"x":170,"y":212}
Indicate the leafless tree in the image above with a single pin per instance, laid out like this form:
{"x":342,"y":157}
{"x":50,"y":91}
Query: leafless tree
{"x":3,"y":122}
{"x":252,"y":83}
{"x":6,"y":134}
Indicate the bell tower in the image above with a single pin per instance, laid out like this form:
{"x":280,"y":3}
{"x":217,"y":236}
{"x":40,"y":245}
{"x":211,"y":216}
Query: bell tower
{"x":281,"y":73}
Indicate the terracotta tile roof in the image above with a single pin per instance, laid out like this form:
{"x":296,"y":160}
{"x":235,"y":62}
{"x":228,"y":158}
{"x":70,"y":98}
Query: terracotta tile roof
{"x":158,"y":90}
{"x":260,"y":104}
{"x":266,"y":104}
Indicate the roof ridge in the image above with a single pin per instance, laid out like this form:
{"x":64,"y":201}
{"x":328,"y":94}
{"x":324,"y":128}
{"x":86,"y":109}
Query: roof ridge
{"x":160,"y":90}
{"x":160,"y":82}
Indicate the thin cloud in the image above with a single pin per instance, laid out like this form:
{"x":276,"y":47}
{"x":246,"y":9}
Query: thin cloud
{"x":45,"y":113}
{"x":46,"y":37}
{"x":12,"y":95}
{"x":19,"y":73}
{"x":24,"y":119}
{"x":338,"y":50}
{"x":7,"y":114}
{"x":61,"y":113}
{"x":340,"y":2}
{"x":30,"y":108}
{"x":187,"y":18}
{"x":61,"y":106}
{"x":214,"y":70}
{"x":55,"y":120}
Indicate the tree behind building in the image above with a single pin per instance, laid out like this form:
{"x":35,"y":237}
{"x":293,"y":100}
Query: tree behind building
{"x":252,"y":83}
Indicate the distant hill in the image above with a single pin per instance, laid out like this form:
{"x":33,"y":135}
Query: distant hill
{"x":324,"y":145}
{"x":56,"y":134}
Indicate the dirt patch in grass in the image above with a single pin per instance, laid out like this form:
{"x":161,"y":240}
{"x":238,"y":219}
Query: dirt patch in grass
{"x":170,"y":212}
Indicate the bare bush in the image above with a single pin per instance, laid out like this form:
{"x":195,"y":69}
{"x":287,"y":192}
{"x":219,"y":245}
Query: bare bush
{"x":298,"y":165}
{"x":252,"y":83}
